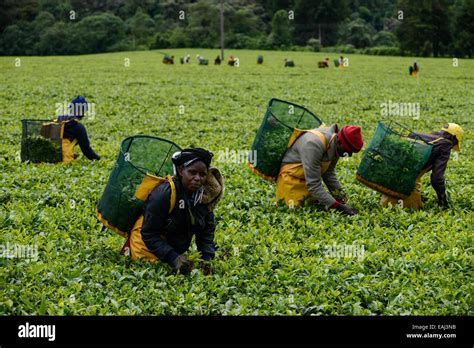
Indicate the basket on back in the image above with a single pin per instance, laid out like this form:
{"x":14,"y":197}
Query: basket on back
{"x":393,"y":160}
{"x":281,"y":119}
{"x":142,"y":160}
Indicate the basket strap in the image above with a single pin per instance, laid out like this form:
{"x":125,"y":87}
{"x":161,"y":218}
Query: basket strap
{"x":322,"y":138}
{"x":169,"y":178}
{"x":61,"y":133}
{"x":436,"y":140}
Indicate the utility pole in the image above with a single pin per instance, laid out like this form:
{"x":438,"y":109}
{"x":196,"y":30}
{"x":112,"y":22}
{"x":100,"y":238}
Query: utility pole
{"x":222,"y":30}
{"x":319,"y":36}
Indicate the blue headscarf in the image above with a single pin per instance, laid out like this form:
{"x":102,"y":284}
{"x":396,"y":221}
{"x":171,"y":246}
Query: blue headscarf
{"x":78,"y":106}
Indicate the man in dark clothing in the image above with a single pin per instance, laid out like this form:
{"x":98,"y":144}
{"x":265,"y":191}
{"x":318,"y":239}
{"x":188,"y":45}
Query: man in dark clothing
{"x":413,"y":70}
{"x":168,"y":59}
{"x":450,"y":137}
{"x":75,"y":131}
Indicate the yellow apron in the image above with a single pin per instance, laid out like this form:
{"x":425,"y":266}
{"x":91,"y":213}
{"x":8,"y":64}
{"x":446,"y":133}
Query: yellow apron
{"x":213,"y":191}
{"x":291,"y":184}
{"x":67,"y":146}
{"x":413,"y":201}
{"x":67,"y":149}
{"x":135,"y":243}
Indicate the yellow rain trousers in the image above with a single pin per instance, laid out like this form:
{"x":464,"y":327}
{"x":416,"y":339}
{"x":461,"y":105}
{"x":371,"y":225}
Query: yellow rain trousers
{"x":291,"y":184}
{"x":136,"y":245}
{"x":413,"y":201}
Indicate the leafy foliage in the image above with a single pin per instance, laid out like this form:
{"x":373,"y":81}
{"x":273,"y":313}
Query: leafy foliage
{"x":38,"y":149}
{"x":438,"y":27}
{"x":271,"y":146}
{"x":271,"y":260}
{"x":394,"y":162}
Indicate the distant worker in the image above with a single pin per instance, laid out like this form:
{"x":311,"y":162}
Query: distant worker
{"x":260,"y":59}
{"x":289,"y":63}
{"x":413,"y":70}
{"x":201,"y":60}
{"x":231,"y":61}
{"x":340,"y":62}
{"x":217,"y":61}
{"x":168,"y":59}
{"x":75,"y":132}
{"x":185,"y":59}
{"x":324,"y":63}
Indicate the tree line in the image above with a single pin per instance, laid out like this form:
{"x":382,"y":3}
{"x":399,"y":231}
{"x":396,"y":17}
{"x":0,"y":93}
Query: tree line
{"x":403,"y":27}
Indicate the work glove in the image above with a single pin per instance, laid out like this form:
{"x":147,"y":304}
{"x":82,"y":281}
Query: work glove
{"x":443,"y":201}
{"x":340,"y":196}
{"x":182,"y":265}
{"x":344,"y":208}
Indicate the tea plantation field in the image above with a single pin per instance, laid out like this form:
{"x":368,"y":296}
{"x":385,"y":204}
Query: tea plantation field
{"x":271,"y":260}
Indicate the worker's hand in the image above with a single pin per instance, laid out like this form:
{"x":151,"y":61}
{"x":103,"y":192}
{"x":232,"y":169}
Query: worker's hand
{"x":443,"y":201}
{"x":207,"y":268}
{"x":344,"y":208}
{"x":182,"y":265}
{"x":340,"y":196}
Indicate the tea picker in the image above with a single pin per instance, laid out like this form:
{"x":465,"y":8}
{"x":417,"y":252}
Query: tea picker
{"x":324,"y":63}
{"x":397,"y":158}
{"x":232,"y":61}
{"x":54,"y":141}
{"x":413,"y":70}
{"x":201,"y":60}
{"x":159,"y":213}
{"x":311,"y":160}
{"x":339,"y":63}
{"x":75,"y":132}
{"x":186,"y":59}
{"x":289,"y":63}
{"x":299,"y":153}
{"x":442,"y":142}
{"x":168,"y":59}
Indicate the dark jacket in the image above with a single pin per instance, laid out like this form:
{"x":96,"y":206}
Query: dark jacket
{"x":76,"y":130}
{"x":438,"y":160}
{"x":168,"y":235}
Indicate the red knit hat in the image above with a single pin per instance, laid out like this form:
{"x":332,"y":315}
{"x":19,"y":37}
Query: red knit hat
{"x":350,"y":138}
